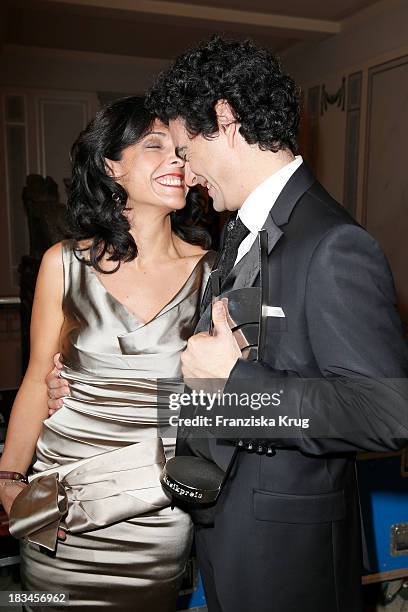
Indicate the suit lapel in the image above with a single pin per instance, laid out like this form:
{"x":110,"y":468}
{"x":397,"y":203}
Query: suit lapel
{"x":300,"y":181}
{"x":247,"y":269}
{"x":244,"y":274}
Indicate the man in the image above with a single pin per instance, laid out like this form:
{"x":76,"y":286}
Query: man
{"x":285,"y":533}
{"x":286,"y":526}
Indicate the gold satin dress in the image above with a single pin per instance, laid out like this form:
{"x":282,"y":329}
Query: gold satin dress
{"x":126,"y":548}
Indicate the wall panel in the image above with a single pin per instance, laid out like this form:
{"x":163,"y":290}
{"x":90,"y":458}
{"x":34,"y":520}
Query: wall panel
{"x":385,"y":199}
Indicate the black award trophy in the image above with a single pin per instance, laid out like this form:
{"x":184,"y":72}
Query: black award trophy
{"x":195,"y":478}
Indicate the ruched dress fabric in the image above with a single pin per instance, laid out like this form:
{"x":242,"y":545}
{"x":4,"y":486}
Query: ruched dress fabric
{"x":126,"y":548}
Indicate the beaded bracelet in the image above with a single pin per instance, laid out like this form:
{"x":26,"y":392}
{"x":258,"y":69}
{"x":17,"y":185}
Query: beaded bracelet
{"x":15,"y":476}
{"x":12,"y":483}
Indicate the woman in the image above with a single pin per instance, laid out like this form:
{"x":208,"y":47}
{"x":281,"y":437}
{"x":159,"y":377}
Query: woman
{"x":119,"y":301}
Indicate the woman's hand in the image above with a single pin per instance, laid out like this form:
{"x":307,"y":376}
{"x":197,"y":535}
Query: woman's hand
{"x":57,"y":387}
{"x":8,"y":494}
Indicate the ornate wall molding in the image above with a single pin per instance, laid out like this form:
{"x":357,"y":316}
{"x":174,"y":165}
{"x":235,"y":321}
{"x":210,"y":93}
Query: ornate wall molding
{"x":338,"y":98}
{"x":312,"y":139}
{"x":385,"y":175}
{"x":352,"y":141}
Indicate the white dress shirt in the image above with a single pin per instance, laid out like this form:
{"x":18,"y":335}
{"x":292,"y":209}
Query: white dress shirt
{"x":255,"y":210}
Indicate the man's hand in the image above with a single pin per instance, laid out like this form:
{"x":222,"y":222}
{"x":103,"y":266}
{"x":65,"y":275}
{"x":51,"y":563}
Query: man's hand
{"x":211,"y":356}
{"x":57,"y":387}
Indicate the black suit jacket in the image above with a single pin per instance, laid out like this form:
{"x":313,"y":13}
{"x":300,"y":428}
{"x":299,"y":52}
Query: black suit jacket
{"x":341,"y":359}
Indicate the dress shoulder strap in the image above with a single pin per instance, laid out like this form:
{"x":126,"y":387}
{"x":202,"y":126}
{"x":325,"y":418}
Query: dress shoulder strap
{"x":69,"y":262}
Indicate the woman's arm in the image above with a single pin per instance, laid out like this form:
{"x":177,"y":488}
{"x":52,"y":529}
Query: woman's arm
{"x":30,"y":406}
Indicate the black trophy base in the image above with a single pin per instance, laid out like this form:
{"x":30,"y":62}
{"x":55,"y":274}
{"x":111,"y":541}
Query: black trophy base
{"x":192,"y":479}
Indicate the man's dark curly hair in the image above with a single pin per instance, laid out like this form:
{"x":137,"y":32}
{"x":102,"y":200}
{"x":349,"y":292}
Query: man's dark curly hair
{"x":264,"y":100}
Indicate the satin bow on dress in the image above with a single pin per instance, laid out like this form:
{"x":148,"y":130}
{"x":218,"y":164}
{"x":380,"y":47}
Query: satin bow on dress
{"x":90,"y":494}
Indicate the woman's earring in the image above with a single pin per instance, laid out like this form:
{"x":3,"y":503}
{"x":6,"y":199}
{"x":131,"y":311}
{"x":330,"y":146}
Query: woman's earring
{"x":116,"y":197}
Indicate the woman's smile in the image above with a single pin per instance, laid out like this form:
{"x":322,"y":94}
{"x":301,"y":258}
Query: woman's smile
{"x":172,"y":180}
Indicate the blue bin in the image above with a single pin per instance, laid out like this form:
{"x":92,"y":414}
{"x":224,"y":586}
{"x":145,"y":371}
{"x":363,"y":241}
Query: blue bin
{"x":383,"y":484}
{"x":192,"y":591}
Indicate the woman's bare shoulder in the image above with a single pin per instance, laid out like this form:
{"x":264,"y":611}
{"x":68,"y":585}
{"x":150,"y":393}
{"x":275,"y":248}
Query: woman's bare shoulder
{"x":49,"y":283}
{"x":52,"y":257}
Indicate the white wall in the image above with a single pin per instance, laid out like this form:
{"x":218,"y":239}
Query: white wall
{"x":376,"y":35}
{"x":378,"y":30}
{"x":375,"y":43}
{"x":76,"y":70}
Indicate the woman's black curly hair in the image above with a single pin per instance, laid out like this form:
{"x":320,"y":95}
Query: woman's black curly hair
{"x":264,"y":100}
{"x":96,"y":202}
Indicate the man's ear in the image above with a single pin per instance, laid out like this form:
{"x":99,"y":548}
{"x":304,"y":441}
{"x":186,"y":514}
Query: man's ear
{"x":113,"y":168}
{"x":227,"y":123}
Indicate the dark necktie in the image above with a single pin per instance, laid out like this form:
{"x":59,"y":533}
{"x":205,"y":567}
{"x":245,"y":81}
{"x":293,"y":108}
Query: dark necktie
{"x":236,"y":234}
{"x":236,"y":231}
